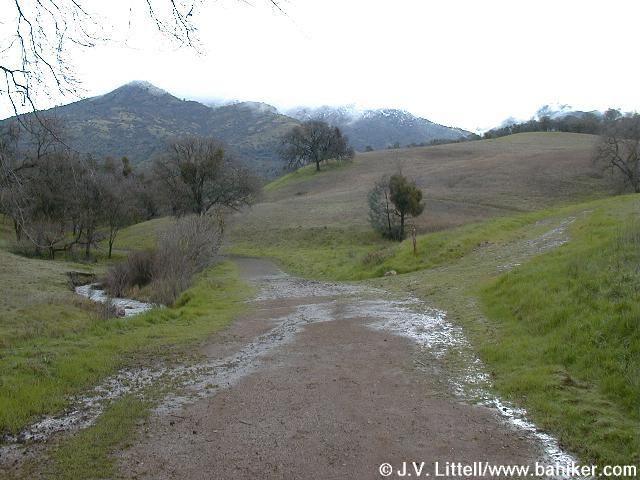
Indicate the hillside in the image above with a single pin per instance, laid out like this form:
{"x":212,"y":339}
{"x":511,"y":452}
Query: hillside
{"x":136,"y":119}
{"x":522,"y":247}
{"x":381,"y":128}
{"x":463,"y":183}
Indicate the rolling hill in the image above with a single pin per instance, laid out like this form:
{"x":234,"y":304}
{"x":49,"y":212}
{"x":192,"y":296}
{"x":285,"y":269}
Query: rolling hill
{"x":463,"y":182}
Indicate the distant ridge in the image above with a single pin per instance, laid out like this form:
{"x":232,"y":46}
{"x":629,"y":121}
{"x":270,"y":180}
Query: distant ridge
{"x":380,"y":128}
{"x":136,"y":120}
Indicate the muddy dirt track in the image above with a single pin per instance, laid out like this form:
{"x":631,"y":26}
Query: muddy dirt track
{"x":323,"y":381}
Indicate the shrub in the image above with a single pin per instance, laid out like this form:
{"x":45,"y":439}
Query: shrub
{"x":136,"y":271}
{"x":184,"y":249}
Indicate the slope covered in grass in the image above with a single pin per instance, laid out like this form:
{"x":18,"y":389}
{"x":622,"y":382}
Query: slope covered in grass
{"x":53,"y":344}
{"x":315,"y":220}
{"x":567,"y":333}
{"x":462,"y":183}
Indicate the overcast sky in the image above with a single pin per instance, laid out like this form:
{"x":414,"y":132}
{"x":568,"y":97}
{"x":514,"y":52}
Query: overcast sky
{"x":466,"y":63}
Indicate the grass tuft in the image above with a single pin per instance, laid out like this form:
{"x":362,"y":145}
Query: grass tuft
{"x":89,"y":454}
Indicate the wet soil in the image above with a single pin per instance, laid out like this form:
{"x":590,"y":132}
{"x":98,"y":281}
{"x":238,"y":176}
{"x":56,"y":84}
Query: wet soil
{"x":317,"y":383}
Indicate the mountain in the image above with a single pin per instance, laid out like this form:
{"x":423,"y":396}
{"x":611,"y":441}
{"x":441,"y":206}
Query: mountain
{"x":136,"y":119}
{"x":380,"y":128}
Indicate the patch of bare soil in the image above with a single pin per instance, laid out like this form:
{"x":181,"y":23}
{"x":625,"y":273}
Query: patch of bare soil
{"x":326,"y":381}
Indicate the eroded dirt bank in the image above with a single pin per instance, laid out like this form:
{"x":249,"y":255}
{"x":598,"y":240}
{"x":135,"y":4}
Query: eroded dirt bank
{"x":326,"y":381}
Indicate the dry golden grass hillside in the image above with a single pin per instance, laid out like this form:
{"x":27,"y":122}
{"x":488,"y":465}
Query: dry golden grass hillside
{"x":462,"y":183}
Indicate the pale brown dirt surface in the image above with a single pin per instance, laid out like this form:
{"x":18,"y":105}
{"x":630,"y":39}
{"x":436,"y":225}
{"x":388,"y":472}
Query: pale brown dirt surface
{"x":334,"y":401}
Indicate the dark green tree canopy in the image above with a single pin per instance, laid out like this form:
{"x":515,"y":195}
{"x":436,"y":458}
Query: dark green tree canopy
{"x":405,"y":195}
{"x":391,"y":200}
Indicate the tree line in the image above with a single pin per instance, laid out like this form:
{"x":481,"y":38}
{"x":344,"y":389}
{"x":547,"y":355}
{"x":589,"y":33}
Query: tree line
{"x":60,"y":200}
{"x":579,"y":122}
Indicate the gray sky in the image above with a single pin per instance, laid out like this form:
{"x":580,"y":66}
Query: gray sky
{"x":466,"y":63}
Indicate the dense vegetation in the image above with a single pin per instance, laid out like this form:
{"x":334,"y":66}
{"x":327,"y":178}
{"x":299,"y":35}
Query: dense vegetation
{"x":60,"y":201}
{"x":58,"y":205}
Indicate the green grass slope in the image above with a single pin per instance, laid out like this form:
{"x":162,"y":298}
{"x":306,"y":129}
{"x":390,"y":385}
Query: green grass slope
{"x":316,"y":223}
{"x":463,"y":183}
{"x":53,"y":344}
{"x":567,"y":340}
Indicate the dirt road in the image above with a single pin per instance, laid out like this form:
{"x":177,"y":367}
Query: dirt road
{"x":325,"y":381}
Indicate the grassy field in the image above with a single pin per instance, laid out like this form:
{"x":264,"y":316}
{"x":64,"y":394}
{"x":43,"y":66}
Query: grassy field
{"x":557,"y":327}
{"x":316,"y":223}
{"x":559,"y":332}
{"x":337,"y":254}
{"x":141,"y":236}
{"x":87,"y":455}
{"x":463,"y":183}
{"x":54,"y":344}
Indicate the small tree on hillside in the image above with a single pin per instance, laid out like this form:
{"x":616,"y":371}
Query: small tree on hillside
{"x":391,"y":200}
{"x":382,"y":215}
{"x":619,"y":146}
{"x":314,"y":142}
{"x":406,"y":197}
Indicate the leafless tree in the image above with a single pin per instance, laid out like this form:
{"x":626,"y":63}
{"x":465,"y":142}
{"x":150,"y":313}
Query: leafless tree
{"x":41,"y":35}
{"x":43,"y":135}
{"x":29,"y":151}
{"x":44,"y":200}
{"x":619,"y":147}
{"x":382,"y":216}
{"x":186,"y":247}
{"x":121,"y":208}
{"x":199,"y":174}
{"x":314,"y":141}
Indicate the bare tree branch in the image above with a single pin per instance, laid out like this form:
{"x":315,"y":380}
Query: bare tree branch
{"x":36,"y":61}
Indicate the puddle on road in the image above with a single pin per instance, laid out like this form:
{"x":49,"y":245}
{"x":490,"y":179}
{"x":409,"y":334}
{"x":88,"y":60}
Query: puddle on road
{"x":408,"y":317}
{"x":468,"y":379}
{"x":275,"y":287}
